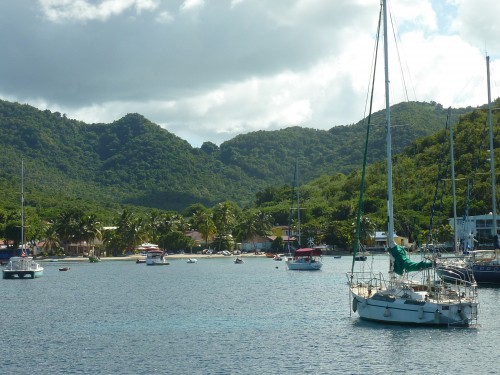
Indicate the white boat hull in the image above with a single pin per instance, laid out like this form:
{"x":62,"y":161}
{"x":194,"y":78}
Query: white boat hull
{"x":156,"y":258}
{"x":21,"y":267}
{"x":426,"y":313}
{"x":303,"y":265}
{"x":404,"y":302}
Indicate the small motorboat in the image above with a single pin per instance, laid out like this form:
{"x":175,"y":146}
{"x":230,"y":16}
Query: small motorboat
{"x":278,"y":257}
{"x":140,"y":261}
{"x":64,"y":269}
{"x":192,"y":260}
{"x":337,"y":256}
{"x":238,"y":261}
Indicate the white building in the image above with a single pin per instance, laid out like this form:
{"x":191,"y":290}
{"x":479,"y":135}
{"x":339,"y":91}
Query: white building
{"x":479,"y":227}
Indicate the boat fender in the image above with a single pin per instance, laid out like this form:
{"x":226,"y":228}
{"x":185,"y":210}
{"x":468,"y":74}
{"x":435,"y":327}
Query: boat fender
{"x":420,"y":312}
{"x":462,"y":314}
{"x":354,"y":304}
{"x":387,"y":312}
{"x":437,"y":316}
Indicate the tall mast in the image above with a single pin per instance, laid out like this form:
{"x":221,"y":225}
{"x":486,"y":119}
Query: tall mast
{"x":492,"y":152}
{"x":390,"y":232}
{"x":22,"y":205}
{"x":298,"y":197}
{"x":453,"y":188}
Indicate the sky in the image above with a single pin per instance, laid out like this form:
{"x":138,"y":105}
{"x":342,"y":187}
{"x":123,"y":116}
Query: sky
{"x":208,"y":70}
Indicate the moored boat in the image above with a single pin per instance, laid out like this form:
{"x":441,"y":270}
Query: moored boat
{"x":192,"y":260}
{"x":22,"y":266}
{"x":156,"y":258}
{"x":305,"y":259}
{"x":412,"y":294}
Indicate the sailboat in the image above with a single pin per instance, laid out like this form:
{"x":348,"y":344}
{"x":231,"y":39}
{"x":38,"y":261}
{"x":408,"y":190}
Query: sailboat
{"x":23,"y":265}
{"x":481,"y":265}
{"x":303,"y":259}
{"x":401,"y":299}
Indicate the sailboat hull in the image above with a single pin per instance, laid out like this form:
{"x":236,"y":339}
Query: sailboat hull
{"x":399,"y":311}
{"x":408,"y":303}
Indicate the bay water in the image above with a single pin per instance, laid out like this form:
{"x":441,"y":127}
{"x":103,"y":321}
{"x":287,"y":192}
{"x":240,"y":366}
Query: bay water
{"x":218,"y":317}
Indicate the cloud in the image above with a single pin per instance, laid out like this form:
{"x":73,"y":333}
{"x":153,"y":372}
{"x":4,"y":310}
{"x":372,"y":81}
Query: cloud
{"x":209,"y":70}
{"x":83,"y":10}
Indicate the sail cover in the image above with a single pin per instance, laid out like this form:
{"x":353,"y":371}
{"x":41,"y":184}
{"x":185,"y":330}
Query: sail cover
{"x":402,"y":262}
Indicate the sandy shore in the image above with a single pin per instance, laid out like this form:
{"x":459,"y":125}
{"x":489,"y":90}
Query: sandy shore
{"x":135,"y":257}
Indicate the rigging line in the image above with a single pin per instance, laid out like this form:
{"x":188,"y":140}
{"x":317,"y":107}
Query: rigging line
{"x":363,"y":172}
{"x":436,"y":190}
{"x":396,"y":37}
{"x":371,"y":79}
{"x":475,"y":170}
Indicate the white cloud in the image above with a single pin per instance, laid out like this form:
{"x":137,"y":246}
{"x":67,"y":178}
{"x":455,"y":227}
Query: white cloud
{"x":189,"y":5}
{"x":84,"y":10}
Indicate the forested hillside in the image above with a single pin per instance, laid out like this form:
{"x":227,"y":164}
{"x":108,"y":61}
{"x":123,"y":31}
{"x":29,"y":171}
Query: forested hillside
{"x":135,"y":162}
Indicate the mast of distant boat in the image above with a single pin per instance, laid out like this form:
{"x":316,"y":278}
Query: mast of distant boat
{"x":22,"y":208}
{"x":492,"y":152}
{"x":453,"y":188}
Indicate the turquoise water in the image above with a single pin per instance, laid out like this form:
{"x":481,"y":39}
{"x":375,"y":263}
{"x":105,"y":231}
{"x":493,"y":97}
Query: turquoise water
{"x":217,"y":317}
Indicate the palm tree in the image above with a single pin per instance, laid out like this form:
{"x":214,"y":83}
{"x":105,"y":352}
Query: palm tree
{"x":256,"y":223}
{"x":91,"y":229}
{"x":224,"y":219}
{"x":51,"y":239}
{"x":203,"y":222}
{"x":68,"y":227}
{"x":130,"y":232}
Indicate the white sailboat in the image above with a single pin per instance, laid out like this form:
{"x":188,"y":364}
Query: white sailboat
{"x":303,"y":259}
{"x":23,"y":265}
{"x":412,"y":293}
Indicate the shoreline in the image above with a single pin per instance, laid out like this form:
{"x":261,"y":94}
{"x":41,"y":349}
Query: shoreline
{"x":135,"y":257}
{"x":173,"y":256}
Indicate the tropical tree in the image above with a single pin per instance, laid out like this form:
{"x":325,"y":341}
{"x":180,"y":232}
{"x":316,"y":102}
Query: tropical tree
{"x":51,"y":240}
{"x":224,"y":217}
{"x":68,"y":227}
{"x":253,"y":223}
{"x":203,"y":222}
{"x":130,"y":232}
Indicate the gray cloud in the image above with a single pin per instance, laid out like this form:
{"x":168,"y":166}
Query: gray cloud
{"x":209,"y":70}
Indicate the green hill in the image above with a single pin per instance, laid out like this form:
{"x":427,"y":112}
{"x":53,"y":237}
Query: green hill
{"x":135,"y":162}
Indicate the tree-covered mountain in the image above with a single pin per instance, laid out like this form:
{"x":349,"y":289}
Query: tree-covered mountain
{"x":135,"y":162}
{"x":421,"y":186}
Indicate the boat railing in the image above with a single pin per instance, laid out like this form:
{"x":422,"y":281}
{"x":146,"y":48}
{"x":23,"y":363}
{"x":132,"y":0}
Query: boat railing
{"x":367,"y":279}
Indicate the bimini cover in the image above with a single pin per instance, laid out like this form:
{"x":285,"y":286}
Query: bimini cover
{"x":307,"y":252}
{"x":402,"y":263}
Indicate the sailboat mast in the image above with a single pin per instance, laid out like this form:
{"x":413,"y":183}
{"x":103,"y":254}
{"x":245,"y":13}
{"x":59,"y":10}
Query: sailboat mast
{"x":453,"y":188}
{"x":298,"y":198}
{"x":390,"y":231}
{"x":492,"y":152}
{"x":22,"y":205}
